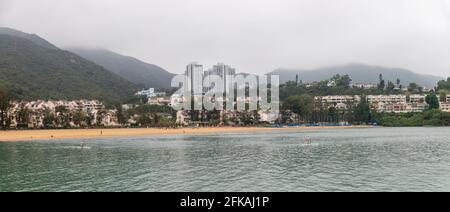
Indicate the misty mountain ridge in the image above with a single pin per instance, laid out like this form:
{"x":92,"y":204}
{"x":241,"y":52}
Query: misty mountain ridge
{"x":35,"y":68}
{"x":360,"y":73}
{"x":130,"y":68}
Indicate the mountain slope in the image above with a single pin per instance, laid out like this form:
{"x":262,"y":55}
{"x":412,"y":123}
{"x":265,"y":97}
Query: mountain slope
{"x":33,"y":71}
{"x":132,"y":69}
{"x":32,"y":37}
{"x":360,"y":74}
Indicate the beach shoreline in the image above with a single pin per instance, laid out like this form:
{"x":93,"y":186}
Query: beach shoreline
{"x":65,"y":134}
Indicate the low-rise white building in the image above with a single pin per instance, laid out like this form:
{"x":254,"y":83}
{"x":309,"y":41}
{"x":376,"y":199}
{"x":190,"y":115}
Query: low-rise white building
{"x":183,"y":117}
{"x":37,"y":111}
{"x":386,"y":99}
{"x":416,"y":107}
{"x":150,"y":93}
{"x":90,"y":105}
{"x":337,"y":99}
{"x":364,"y":86}
{"x":268,"y":116}
{"x":401,"y":107}
{"x":160,"y":101}
{"x":445,"y":106}
{"x":417,"y":98}
{"x":339,"y":102}
{"x":109,"y":119}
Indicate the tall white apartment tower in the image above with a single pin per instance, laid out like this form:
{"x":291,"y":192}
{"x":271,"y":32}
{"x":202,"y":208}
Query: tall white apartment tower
{"x":223,"y":71}
{"x":195,"y":73}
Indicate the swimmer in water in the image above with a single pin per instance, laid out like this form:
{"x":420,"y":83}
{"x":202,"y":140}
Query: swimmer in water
{"x":308,"y":140}
{"x":83,"y":144}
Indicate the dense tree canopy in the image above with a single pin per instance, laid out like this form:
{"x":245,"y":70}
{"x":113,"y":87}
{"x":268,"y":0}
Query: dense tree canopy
{"x":33,"y":72}
{"x":433,"y":101}
{"x":341,"y":87}
{"x":444,"y":84}
{"x":302,"y":105}
{"x":362,"y":113}
{"x":5,"y":104}
{"x":427,"y":118}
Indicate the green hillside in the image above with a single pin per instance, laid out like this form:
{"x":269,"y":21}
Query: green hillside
{"x":32,"y":37}
{"x":138,"y":72}
{"x":31,"y":71}
{"x":360,"y":73}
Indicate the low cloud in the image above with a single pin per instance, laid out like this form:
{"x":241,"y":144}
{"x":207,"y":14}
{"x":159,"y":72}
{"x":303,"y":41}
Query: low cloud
{"x":254,"y":36}
{"x":3,"y":7}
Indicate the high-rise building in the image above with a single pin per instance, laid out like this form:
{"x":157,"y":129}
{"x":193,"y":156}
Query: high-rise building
{"x":195,"y":73}
{"x":223,"y":71}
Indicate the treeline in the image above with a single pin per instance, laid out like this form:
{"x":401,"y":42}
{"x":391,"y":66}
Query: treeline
{"x":444,"y":86}
{"x":297,"y":104}
{"x":5,"y":104}
{"x":341,"y":85}
{"x":299,"y":99}
{"x":361,"y":113}
{"x":140,"y":115}
{"x":427,"y":118}
{"x":147,"y":116}
{"x":308,"y":111}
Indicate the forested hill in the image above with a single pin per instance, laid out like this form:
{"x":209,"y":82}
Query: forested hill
{"x":360,"y":73}
{"x":32,"y":37}
{"x":135,"y":70}
{"x":33,"y":71}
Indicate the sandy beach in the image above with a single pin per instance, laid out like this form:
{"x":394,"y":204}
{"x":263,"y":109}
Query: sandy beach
{"x":33,"y":135}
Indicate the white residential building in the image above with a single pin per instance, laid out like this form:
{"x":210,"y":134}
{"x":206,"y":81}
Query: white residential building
{"x":445,"y":106}
{"x":37,"y":110}
{"x":417,"y":98}
{"x":386,"y":99}
{"x":90,"y":105}
{"x":109,"y":119}
{"x":416,"y":107}
{"x":195,"y":73}
{"x":363,"y":86}
{"x":150,"y":93}
{"x":401,"y":107}
{"x":127,"y":106}
{"x":339,"y":102}
{"x":177,"y":99}
{"x":183,"y":117}
{"x":337,"y":99}
{"x":268,"y":116}
{"x":160,"y":101}
{"x":222,"y":71}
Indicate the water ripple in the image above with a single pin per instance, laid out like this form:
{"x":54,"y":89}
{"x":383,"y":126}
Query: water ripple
{"x":381,"y":159}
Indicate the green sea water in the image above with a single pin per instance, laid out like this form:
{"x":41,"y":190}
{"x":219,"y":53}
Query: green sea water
{"x":378,"y":159}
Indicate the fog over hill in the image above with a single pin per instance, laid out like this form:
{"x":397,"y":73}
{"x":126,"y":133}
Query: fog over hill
{"x":135,"y":70}
{"x":360,"y":73}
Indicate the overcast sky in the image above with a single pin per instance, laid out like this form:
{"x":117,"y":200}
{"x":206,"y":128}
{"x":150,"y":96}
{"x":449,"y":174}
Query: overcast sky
{"x":254,"y":36}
